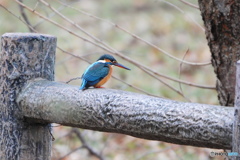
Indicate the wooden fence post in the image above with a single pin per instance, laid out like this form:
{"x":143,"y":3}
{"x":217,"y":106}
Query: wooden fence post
{"x":236,"y":123}
{"x":23,"y":56}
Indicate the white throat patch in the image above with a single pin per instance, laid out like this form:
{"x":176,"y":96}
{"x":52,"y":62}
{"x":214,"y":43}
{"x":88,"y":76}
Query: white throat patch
{"x":102,"y":61}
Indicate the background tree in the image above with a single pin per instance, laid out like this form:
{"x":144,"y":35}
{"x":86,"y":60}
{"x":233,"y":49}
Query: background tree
{"x":221,"y":21}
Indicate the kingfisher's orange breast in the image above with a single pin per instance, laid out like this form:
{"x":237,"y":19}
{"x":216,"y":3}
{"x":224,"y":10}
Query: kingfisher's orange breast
{"x":105,"y":79}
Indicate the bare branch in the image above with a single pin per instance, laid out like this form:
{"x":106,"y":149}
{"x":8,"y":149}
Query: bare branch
{"x":133,"y":35}
{"x":85,"y":145}
{"x":73,"y":79}
{"x":72,"y":151}
{"x":180,"y":68}
{"x":179,"y":9}
{"x":189,"y":4}
{"x":62,"y":27}
{"x":25,"y":17}
{"x":49,"y":16}
{"x":24,"y":22}
{"x":166,"y":84}
{"x":111,"y":51}
{"x":73,"y":23}
{"x":183,"y":82}
{"x":153,"y":152}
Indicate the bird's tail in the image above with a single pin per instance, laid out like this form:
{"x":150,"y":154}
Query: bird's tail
{"x":83,"y":85}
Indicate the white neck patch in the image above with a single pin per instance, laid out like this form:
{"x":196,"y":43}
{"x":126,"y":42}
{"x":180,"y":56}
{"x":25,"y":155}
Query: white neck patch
{"x":102,"y":61}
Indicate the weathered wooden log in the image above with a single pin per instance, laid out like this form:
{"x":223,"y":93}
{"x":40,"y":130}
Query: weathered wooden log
{"x":128,"y":113}
{"x":23,"y":57}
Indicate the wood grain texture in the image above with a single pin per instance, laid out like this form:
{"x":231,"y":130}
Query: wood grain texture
{"x":23,"y":56}
{"x":128,"y":113}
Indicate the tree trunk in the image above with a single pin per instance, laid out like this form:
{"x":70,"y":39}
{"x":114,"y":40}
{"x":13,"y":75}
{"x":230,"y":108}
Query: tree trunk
{"x":222,"y":24}
{"x":23,"y":57}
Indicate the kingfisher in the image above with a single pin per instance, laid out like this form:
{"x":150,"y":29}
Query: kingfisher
{"x":99,"y":72}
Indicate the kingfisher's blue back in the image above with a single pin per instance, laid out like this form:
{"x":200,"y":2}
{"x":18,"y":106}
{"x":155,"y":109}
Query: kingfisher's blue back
{"x":94,"y":74}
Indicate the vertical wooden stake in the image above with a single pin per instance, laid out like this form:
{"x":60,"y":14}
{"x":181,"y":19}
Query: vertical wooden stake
{"x":23,"y":57}
{"x":236,"y":123}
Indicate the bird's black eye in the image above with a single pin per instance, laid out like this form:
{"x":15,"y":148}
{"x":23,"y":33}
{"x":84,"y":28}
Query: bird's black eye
{"x":114,"y":61}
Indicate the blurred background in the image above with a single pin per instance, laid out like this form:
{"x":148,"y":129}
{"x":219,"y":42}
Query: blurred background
{"x":163,"y":42}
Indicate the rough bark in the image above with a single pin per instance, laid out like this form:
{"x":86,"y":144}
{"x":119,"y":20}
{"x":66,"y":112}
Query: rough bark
{"x":23,"y":57}
{"x":236,"y":126}
{"x":128,"y":113}
{"x":222,"y":21}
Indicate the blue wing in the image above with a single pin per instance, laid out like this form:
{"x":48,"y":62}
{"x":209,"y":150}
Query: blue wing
{"x":94,"y":73}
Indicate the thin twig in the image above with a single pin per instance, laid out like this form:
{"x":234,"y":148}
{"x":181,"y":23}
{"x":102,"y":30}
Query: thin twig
{"x":64,"y":28}
{"x":189,"y":4}
{"x":25,"y":17}
{"x":180,"y":10}
{"x":17,"y":17}
{"x":166,"y":84}
{"x":73,"y":79}
{"x":72,"y":151}
{"x":133,"y":35}
{"x":85,"y":145}
{"x":51,"y":14}
{"x":49,"y":129}
{"x":184,"y":82}
{"x":180,"y":68}
{"x":153,"y":152}
{"x":109,"y":137}
{"x":63,"y":136}
{"x":36,"y":5}
{"x":74,"y":24}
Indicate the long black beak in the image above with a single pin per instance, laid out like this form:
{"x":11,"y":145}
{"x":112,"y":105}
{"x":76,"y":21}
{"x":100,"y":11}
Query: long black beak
{"x":121,"y":66}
